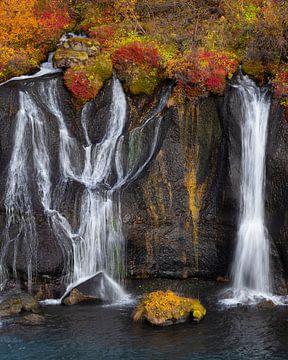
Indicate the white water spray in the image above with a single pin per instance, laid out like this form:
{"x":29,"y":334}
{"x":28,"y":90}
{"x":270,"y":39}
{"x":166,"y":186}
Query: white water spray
{"x":251,"y":269}
{"x":97,"y":244}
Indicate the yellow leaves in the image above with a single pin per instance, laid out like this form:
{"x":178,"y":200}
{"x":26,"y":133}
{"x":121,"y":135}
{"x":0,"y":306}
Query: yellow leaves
{"x":17,"y":23}
{"x":159,"y":306}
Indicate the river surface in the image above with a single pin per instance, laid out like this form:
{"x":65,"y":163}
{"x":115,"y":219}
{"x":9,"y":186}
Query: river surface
{"x":107,"y":332}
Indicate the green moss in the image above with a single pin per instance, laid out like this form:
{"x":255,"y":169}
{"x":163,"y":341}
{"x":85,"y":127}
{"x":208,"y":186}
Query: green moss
{"x":255,"y":69}
{"x":143,"y":84}
{"x":101,"y":66}
{"x":69,"y":54}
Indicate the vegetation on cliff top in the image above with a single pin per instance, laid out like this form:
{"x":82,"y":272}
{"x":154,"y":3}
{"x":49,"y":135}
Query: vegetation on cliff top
{"x":198,"y":43}
{"x":162,"y":308}
{"x":28,"y":30}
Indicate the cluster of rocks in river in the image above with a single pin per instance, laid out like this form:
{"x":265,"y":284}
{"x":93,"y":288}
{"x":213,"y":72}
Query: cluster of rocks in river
{"x":24,"y":307}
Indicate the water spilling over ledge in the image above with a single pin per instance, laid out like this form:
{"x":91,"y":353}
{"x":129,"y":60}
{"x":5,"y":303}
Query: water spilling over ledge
{"x":251,"y":264}
{"x":97,"y":243}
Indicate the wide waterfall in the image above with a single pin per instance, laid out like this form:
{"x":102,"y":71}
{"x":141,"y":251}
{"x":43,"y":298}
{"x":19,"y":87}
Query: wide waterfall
{"x":102,"y":169}
{"x":251,"y":270}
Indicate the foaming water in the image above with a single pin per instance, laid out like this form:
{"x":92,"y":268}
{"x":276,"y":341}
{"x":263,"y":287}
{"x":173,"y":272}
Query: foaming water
{"x":251,"y":268}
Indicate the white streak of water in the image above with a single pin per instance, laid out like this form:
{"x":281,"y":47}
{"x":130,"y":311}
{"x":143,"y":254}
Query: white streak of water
{"x":97,"y":244}
{"x":251,"y":269}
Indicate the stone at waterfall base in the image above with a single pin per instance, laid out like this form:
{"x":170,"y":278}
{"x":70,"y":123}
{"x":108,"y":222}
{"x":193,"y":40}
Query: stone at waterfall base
{"x":76,"y":297}
{"x":18,"y":303}
{"x":33,"y":319}
{"x":23,"y":308}
{"x":162,"y":308}
{"x":266,"y":304}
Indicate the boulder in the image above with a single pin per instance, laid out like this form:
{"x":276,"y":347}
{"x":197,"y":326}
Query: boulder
{"x":76,"y":50}
{"x":266,"y":304}
{"x":16,"y":303}
{"x":98,"y":288}
{"x":76,"y":297}
{"x":33,"y":319}
{"x":166,"y":308}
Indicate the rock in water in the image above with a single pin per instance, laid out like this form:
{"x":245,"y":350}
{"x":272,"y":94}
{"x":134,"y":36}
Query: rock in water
{"x":76,"y":297}
{"x":166,"y":308}
{"x":99,"y":288}
{"x":266,"y":304}
{"x":33,"y":319}
{"x":16,"y":303}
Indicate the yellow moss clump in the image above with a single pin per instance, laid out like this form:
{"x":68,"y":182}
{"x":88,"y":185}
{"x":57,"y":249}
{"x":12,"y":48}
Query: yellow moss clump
{"x":161,"y":308}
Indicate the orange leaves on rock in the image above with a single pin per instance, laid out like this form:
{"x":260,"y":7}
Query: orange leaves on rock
{"x":18,"y":26}
{"x":27,"y":28}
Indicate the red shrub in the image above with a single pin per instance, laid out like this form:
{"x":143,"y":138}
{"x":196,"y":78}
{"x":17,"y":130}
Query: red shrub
{"x":78,"y":83}
{"x":201,"y":72}
{"x":103,"y":34}
{"x":137,"y":53}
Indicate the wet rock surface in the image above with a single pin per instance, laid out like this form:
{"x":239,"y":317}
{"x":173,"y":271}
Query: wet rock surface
{"x":76,"y":297}
{"x":180,"y":216}
{"x":14,"y":304}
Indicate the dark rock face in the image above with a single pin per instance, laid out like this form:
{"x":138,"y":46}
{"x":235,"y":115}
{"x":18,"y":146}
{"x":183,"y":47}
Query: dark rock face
{"x":180,"y":224}
{"x":277,"y":191}
{"x":180,"y":215}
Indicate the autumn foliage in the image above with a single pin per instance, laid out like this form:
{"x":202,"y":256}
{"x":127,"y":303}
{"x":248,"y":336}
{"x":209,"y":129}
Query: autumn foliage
{"x":159,"y":307}
{"x":199,"y":44}
{"x":201,"y":72}
{"x":138,"y":65}
{"x":28,"y":29}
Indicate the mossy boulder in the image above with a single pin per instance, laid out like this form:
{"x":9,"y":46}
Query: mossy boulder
{"x":138,"y":66}
{"x":75,"y":51}
{"x":17,"y":303}
{"x":162,"y":308}
{"x":85,"y":81}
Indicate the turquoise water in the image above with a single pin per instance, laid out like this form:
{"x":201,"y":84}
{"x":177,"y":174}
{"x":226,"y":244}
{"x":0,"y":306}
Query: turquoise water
{"x":103,"y":332}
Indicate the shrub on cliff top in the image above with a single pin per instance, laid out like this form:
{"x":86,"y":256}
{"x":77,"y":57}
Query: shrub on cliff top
{"x":138,"y":66}
{"x":28,"y":28}
{"x":200,"y":72}
{"x":86,"y":81}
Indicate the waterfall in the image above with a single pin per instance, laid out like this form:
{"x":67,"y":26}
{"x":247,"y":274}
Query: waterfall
{"x":251,"y":270}
{"x":103,"y":169}
{"x":251,"y":264}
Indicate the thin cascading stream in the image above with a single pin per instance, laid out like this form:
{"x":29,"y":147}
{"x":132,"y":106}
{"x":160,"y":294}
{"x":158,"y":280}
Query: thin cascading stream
{"x":97,"y":243}
{"x":18,"y":196}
